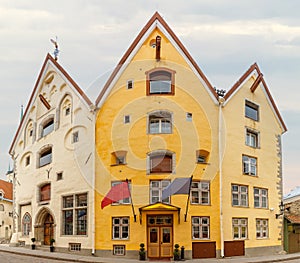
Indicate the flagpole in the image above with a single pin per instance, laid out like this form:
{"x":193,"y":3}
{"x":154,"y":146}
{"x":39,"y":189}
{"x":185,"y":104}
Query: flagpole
{"x":134,"y":215}
{"x":188,"y":200}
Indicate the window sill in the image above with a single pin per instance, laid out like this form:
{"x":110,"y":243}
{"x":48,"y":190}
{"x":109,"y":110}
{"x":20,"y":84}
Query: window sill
{"x":44,"y":202}
{"x":203,"y":163}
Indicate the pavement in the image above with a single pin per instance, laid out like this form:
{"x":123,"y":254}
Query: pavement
{"x":62,"y":257}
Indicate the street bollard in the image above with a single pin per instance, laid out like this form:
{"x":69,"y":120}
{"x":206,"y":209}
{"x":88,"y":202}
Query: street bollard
{"x":182,"y":253}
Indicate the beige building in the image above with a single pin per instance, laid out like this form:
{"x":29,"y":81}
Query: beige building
{"x":6,"y":209}
{"x":53,"y":164}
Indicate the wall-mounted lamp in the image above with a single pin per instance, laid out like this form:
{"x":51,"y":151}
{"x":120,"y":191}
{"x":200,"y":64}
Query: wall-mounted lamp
{"x":281,"y":209}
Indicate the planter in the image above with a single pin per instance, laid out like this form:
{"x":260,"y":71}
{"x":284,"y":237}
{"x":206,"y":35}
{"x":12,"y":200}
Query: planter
{"x":143,"y":256}
{"x":51,"y":249}
{"x":33,"y":246}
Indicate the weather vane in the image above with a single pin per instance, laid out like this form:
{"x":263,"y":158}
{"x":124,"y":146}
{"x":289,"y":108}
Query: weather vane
{"x":56,"y":51}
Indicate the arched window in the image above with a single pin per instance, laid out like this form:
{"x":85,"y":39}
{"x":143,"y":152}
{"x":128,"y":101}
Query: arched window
{"x":160,"y":122}
{"x":47,"y":127}
{"x":1,"y":207}
{"x":26,"y":224}
{"x":160,"y":82}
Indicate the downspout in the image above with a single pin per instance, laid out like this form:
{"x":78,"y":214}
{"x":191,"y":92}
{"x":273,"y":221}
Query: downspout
{"x":221,"y":101}
{"x":93,"y":111}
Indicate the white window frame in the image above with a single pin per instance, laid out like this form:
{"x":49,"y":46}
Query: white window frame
{"x":240,"y":228}
{"x":119,"y":228}
{"x":160,"y":153}
{"x":200,"y":226}
{"x":239,"y":195}
{"x":252,"y":138}
{"x":163,"y":120}
{"x":155,"y":191}
{"x":26,"y":226}
{"x":249,"y":165}
{"x":125,"y":201}
{"x":262,"y":228}
{"x":260,"y":197}
{"x":198,"y":190}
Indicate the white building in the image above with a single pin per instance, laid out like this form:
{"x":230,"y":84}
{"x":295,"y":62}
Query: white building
{"x":6,"y":208}
{"x":54,"y":164}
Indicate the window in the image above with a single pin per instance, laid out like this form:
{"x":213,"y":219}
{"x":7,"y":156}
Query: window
{"x":26,"y":224}
{"x":189,"y":116}
{"x":120,"y":227}
{"x":45,"y":193}
{"x":252,"y":138}
{"x":1,"y":207}
{"x":127,"y":119}
{"x":251,"y":110}
{"x":161,"y":162}
{"x":262,"y":229}
{"x":239,"y":195}
{"x":249,"y":165}
{"x":74,"y":214}
{"x":260,"y":198}
{"x":202,"y":156}
{"x":156,"y":188}
{"x":200,"y":193}
{"x":160,"y":82}
{"x":27,"y":160}
{"x":30,"y":133}
{"x":67,"y":111}
{"x":45,"y":157}
{"x":129,"y":84}
{"x":119,"y":157}
{"x":75,"y":246}
{"x":160,"y":122}
{"x":200,"y":227}
{"x":48,"y":127}
{"x":240,"y":228}
{"x":59,"y":176}
{"x":124,"y":200}
{"x":75,"y":137}
{"x":119,"y":250}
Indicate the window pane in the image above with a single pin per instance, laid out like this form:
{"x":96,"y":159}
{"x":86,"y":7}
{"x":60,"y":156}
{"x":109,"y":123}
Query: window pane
{"x":68,"y":201}
{"x":68,"y":222}
{"x":160,"y":86}
{"x":81,"y":221}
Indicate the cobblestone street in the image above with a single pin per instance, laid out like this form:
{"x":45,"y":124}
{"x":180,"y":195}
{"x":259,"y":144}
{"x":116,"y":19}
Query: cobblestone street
{"x":14,"y":258}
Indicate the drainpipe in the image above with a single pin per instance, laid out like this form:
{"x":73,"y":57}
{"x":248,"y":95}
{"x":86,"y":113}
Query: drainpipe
{"x":221,"y":102}
{"x":93,"y":111}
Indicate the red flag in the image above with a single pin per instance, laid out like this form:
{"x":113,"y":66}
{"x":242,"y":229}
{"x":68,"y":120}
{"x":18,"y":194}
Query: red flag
{"x":116,"y":193}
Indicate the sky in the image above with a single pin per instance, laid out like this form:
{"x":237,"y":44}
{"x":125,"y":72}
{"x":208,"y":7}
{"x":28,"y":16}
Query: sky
{"x":224,"y":37}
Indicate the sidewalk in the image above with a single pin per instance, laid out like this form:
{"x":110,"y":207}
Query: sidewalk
{"x":88,"y":259}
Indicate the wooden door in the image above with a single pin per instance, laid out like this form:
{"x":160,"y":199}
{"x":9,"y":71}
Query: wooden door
{"x":294,"y":243}
{"x":48,"y":229}
{"x":166,"y":247}
{"x":153,"y":242}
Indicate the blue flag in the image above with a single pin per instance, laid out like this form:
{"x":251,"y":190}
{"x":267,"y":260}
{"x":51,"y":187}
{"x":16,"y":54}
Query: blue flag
{"x":178,"y":186}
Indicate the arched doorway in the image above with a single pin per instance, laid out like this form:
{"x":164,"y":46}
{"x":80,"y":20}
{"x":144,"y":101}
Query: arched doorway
{"x":44,"y":229}
{"x":48,"y":229}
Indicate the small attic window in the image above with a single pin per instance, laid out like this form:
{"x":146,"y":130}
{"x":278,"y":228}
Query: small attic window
{"x":129,"y":84}
{"x":202,"y":156}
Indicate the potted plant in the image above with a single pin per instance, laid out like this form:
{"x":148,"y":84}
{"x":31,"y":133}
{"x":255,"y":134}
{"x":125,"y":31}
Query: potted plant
{"x":33,"y":243}
{"x":176,"y":253}
{"x":142,"y":252}
{"x":52,"y":240}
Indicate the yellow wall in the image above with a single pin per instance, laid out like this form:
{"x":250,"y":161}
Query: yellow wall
{"x":187,"y":137}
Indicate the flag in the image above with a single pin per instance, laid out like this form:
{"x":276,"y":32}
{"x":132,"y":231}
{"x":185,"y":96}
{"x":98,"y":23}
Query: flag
{"x":178,"y":186}
{"x":116,"y":193}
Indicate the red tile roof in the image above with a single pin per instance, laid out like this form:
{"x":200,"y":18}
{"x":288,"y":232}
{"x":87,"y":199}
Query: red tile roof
{"x":295,"y":219}
{"x":7,"y":188}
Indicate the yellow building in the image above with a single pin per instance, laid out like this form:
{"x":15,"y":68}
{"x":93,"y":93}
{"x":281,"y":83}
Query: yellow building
{"x":160,"y":119}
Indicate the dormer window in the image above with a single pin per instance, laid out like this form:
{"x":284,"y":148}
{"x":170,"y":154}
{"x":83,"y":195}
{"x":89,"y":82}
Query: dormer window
{"x":160,"y":82}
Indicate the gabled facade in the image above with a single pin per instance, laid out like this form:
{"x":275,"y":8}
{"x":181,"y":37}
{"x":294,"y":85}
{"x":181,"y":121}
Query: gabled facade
{"x":6,"y":209}
{"x":159,"y":119}
{"x":53,"y":164}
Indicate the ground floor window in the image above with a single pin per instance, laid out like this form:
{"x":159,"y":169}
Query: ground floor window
{"x":74,"y":214}
{"x":240,"y":228}
{"x":262,"y":228}
{"x":26,"y":224}
{"x":74,"y":246}
{"x":120,"y":227}
{"x":119,"y":250}
{"x":200,"y":227}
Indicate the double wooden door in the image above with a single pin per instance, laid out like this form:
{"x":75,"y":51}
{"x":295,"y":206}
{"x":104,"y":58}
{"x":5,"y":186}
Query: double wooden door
{"x":160,"y":237}
{"x":48,"y":229}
